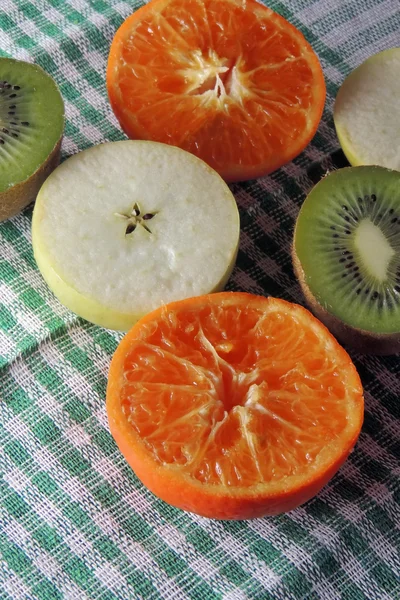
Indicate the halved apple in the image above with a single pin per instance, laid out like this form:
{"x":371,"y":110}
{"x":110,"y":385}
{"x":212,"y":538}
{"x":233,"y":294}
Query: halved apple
{"x":367,"y":112}
{"x":125,"y":227}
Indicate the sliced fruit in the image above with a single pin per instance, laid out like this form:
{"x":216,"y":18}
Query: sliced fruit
{"x":346,"y":254}
{"x":367,"y":112}
{"x":233,"y":406}
{"x":31,"y":128}
{"x":125,"y":227}
{"x":230,"y":81}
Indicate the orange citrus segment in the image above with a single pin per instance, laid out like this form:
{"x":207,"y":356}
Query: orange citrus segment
{"x":233,"y":398}
{"x":230,"y":81}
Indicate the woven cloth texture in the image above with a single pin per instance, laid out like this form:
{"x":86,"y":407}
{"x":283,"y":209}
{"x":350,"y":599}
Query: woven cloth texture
{"x":74,"y":520}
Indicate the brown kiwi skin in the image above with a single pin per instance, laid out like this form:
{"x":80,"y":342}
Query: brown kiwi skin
{"x":359,"y":340}
{"x":16,"y":198}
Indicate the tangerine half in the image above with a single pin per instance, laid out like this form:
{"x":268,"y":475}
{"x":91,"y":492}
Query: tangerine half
{"x":228,"y":80}
{"x":233,"y":406}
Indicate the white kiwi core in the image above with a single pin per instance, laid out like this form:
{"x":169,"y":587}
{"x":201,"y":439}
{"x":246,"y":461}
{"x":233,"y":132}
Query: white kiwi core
{"x":374,"y":249}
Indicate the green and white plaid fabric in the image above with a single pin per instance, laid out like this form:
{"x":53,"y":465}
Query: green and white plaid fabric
{"x":74,"y":521}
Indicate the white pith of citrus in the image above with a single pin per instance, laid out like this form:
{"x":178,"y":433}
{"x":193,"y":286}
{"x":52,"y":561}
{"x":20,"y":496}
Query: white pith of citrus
{"x":367,"y":112}
{"x":125,"y":227}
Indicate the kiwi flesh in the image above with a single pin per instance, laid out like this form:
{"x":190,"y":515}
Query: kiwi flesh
{"x":31,"y":128}
{"x":346,"y":256}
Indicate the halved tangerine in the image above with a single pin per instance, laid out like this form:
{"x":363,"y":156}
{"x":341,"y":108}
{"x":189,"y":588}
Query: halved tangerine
{"x":233,"y":406}
{"x":228,"y":80}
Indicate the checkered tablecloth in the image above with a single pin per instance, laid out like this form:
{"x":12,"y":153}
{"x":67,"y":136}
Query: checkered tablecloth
{"x":74,"y":520}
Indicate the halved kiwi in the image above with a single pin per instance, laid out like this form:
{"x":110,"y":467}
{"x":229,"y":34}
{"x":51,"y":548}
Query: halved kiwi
{"x":346,"y":255}
{"x":31,"y":128}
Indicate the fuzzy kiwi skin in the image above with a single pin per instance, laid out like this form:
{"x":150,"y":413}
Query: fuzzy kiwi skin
{"x":359,"y":340}
{"x":16,"y":198}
